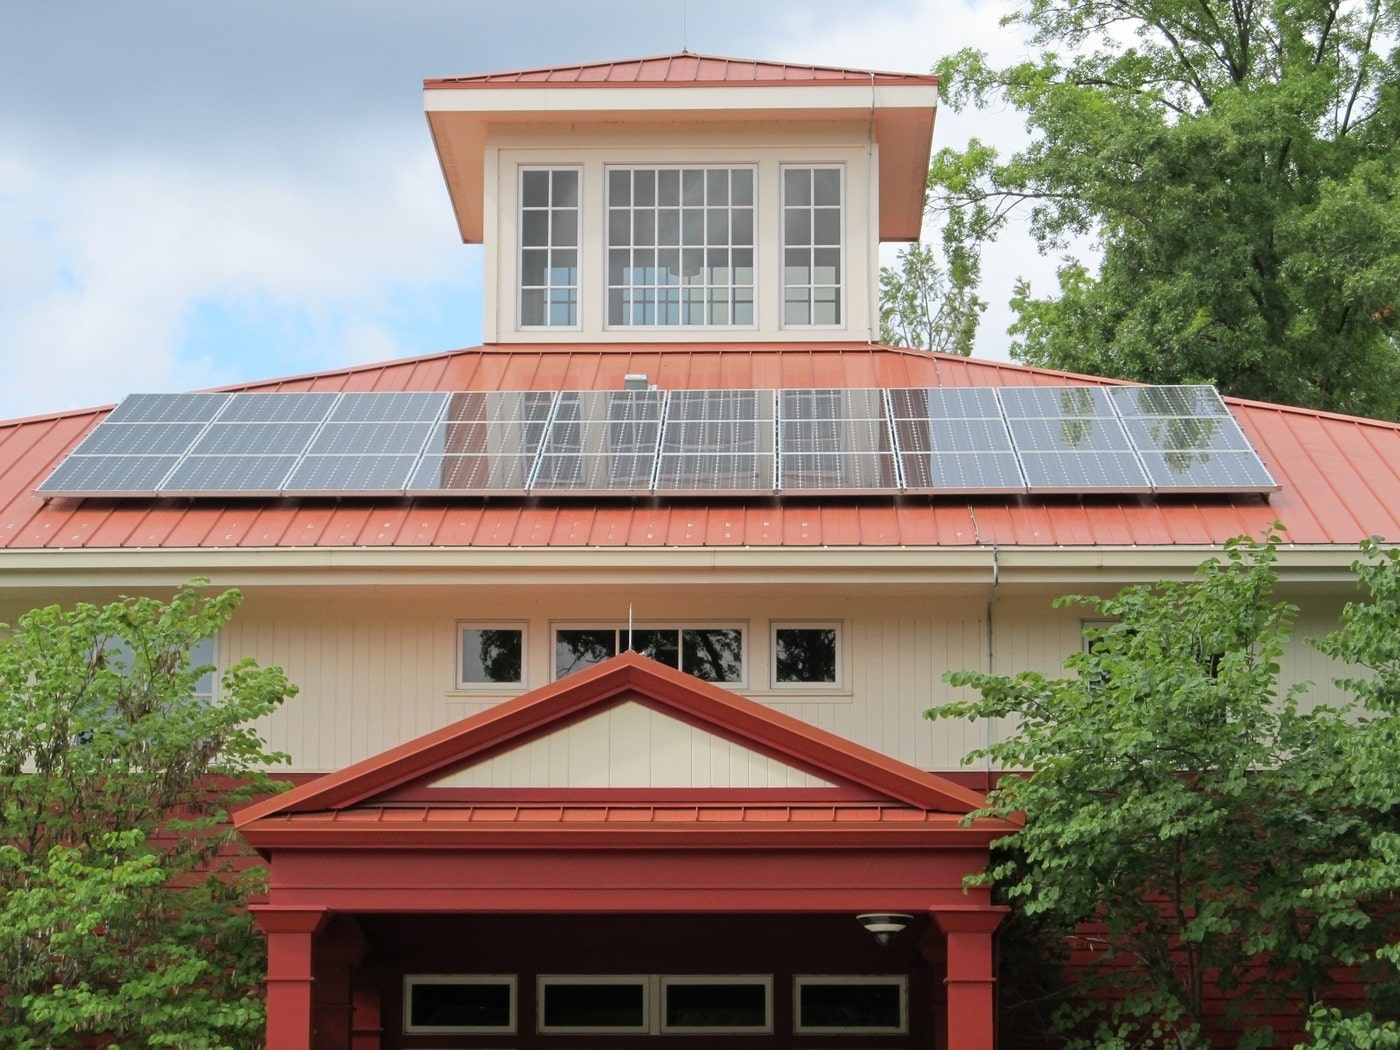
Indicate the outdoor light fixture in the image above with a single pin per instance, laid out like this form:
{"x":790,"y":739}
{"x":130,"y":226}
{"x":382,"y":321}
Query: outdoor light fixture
{"x":884,"y":925}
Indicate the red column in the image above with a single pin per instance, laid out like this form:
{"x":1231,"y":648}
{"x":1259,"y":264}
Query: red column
{"x":971,"y":1012}
{"x":289,"y":974}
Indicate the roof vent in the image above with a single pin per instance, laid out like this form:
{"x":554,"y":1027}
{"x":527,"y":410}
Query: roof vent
{"x":635,"y":381}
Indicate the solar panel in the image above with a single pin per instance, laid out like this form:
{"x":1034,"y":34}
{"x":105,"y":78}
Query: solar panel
{"x":1188,"y":441}
{"x":1056,"y":402}
{"x":167,"y":408}
{"x":146,"y":439}
{"x":486,"y":442}
{"x":248,"y":439}
{"x":400,"y":407}
{"x":306,"y":407}
{"x":351,"y":475}
{"x":717,"y":442}
{"x":1131,"y":401}
{"x":1069,"y":439}
{"x":954,"y":440}
{"x":601,"y":441}
{"x":243,"y":475}
{"x":834,"y":441}
{"x":108,"y":476}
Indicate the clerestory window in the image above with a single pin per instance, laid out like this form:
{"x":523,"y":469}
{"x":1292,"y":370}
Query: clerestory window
{"x":549,"y":247}
{"x":680,"y":246}
{"x":714,"y":653}
{"x":812,"y":246}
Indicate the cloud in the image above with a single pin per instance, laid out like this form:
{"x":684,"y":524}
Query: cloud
{"x":107,"y":271}
{"x":192,"y":196}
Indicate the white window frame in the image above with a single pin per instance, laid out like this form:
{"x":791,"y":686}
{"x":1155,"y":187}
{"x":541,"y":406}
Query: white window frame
{"x":842,"y":307}
{"x":521,"y":247}
{"x":803,"y":980}
{"x":644,"y":981}
{"x":654,"y":625}
{"x":495,"y":979}
{"x":765,"y":981}
{"x":754,"y":287}
{"x":462,"y":626}
{"x":775,"y":626}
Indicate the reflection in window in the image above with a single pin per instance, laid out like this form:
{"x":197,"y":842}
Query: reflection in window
{"x":701,"y":1004}
{"x":680,"y":246}
{"x":713,"y":654}
{"x":593,"y":1004}
{"x":491,"y":656}
{"x":851,"y":1004}
{"x":549,"y":244}
{"x":812,"y":246}
{"x":435,"y":1003}
{"x":804,"y":655}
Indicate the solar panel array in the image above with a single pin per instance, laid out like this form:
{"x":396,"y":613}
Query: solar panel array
{"x":1006,"y":440}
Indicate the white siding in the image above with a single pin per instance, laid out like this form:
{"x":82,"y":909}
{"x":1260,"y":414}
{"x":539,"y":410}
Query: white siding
{"x":631,"y":746}
{"x":376,"y":669}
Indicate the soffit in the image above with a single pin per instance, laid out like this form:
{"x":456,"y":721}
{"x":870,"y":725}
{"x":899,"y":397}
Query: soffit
{"x":680,"y":88}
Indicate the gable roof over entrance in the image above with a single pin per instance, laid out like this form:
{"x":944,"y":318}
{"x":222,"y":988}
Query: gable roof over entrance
{"x":393,"y":799}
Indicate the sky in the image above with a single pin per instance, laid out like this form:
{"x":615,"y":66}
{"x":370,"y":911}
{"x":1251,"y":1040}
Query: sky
{"x":198,"y":194}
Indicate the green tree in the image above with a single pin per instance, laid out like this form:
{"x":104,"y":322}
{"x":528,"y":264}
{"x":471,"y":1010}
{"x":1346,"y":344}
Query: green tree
{"x":1178,"y":806}
{"x":1355,"y":891}
{"x":119,"y":921}
{"x":1236,"y":163}
{"x":927,"y":306}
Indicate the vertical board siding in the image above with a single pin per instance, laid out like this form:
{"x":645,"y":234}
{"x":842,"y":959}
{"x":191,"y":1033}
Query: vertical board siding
{"x":372,"y":675}
{"x":630,"y":746}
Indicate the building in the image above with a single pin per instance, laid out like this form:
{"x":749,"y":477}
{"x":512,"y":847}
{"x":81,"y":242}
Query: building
{"x":679,"y":441}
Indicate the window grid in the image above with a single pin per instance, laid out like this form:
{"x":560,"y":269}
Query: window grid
{"x":812,"y":246}
{"x":712,"y":652}
{"x":549,"y":246}
{"x":681,"y":246}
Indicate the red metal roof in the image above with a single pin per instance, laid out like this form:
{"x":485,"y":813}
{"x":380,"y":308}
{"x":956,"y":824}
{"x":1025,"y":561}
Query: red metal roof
{"x":1340,"y":475}
{"x":683,"y":67}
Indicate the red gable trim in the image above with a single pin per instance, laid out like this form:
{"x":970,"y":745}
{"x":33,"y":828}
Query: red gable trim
{"x":625,"y":677}
{"x":678,"y":69}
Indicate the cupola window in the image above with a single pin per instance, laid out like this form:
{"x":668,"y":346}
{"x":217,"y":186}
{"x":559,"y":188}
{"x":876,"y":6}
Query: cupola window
{"x":680,"y":246}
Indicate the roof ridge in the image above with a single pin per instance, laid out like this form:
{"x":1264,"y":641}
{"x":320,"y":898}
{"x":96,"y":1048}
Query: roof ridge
{"x":507,"y":75}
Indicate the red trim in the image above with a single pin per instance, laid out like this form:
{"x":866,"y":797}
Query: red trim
{"x":628,"y":881}
{"x":420,"y":794}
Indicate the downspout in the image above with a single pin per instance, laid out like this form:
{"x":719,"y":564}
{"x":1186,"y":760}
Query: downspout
{"x":872,"y":216}
{"x":991,"y":661}
{"x":991,"y":641}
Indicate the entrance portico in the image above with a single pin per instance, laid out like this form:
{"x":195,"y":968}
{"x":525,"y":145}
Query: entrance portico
{"x":654,"y":884}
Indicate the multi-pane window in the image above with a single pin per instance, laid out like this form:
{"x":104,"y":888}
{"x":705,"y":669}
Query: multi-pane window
{"x":549,"y":246}
{"x":714,"y":654}
{"x":812,"y":245}
{"x":680,"y":246}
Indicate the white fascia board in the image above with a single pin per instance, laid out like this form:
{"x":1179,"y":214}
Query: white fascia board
{"x":1064,"y":567}
{"x":561,"y":99}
